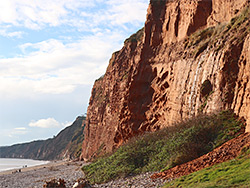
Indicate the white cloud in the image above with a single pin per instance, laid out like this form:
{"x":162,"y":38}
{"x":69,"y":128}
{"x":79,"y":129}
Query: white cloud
{"x":36,"y":14}
{"x":113,"y":14}
{"x":20,"y":128}
{"x":6,"y":33}
{"x":55,"y":68}
{"x":47,"y":123}
{"x":77,"y":13}
{"x":127,"y":11}
{"x":16,"y":132}
{"x":44,"y":46}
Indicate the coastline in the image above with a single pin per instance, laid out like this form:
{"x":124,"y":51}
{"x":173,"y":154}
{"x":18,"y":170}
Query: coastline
{"x":35,"y":176}
{"x":29,"y":168}
{"x":70,"y":172}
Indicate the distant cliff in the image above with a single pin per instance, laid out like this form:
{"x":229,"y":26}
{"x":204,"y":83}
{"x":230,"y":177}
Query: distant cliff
{"x":66,"y":145}
{"x":192,"y":57}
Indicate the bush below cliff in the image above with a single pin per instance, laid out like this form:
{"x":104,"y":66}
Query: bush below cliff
{"x":166,"y":148}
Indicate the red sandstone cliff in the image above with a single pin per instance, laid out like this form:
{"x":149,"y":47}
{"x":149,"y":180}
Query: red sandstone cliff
{"x":168,"y":71}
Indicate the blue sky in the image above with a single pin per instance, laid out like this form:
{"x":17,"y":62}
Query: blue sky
{"x":51,"y":52}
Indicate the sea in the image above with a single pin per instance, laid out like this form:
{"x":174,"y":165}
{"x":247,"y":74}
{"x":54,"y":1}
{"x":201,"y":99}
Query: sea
{"x":9,"y":164}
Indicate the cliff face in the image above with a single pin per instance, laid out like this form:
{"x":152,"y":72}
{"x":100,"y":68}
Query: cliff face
{"x":188,"y":59}
{"x":62,"y":146}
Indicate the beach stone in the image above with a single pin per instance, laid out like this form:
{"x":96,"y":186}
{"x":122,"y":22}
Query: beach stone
{"x":37,"y":177}
{"x":138,"y":181}
{"x":81,"y":183}
{"x":55,"y":183}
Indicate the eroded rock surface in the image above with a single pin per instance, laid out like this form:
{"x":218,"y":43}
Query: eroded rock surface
{"x":189,"y":59}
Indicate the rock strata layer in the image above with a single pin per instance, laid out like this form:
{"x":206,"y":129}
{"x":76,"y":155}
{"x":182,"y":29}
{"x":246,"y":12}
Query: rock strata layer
{"x":191,"y":57}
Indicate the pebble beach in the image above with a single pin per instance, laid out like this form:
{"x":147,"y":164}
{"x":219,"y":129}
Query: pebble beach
{"x":35,"y":177}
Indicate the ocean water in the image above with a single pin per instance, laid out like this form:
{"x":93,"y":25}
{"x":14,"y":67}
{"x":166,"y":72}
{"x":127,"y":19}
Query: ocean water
{"x":8,"y":164}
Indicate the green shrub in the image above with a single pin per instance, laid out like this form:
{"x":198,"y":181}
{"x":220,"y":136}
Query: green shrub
{"x":165,"y":148}
{"x":136,"y":37}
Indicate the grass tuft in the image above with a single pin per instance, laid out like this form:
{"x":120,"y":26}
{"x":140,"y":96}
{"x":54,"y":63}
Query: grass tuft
{"x":221,"y":36}
{"x":234,"y":173}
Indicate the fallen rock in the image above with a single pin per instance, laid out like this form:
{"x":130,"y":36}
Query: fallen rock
{"x":55,"y":183}
{"x":82,"y":183}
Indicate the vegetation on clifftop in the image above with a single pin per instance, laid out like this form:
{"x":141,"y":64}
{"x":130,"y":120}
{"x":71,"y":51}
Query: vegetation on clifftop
{"x":220,"y":36}
{"x":136,"y":37}
{"x":166,"y":148}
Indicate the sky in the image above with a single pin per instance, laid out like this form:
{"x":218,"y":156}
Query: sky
{"x":51,"y":52}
